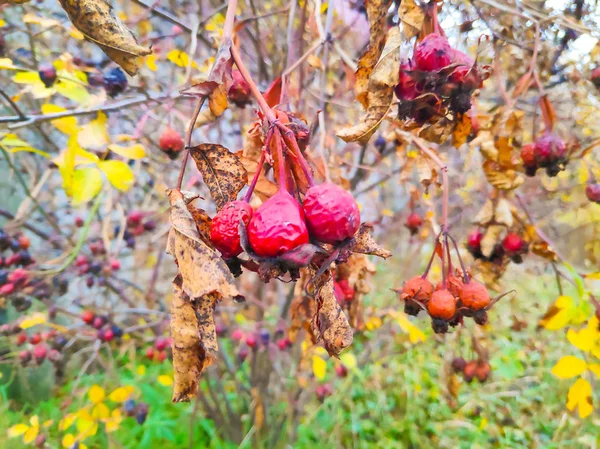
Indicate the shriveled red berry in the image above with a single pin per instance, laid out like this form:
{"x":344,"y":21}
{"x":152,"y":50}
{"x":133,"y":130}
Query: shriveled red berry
{"x":406,"y":87}
{"x":331,"y":212}
{"x":134,"y":218}
{"x":98,"y":322}
{"x":277,"y":226}
{"x":442,"y":305}
{"x":413,"y":222}
{"x":417,"y":288}
{"x":88,"y":316}
{"x":170,"y":140}
{"x":592,"y":192}
{"x":433,"y":53}
{"x":474,"y":295}
{"x":512,"y":243}
{"x":224,"y":228}
{"x":458,"y":364}
{"x":239,"y":92}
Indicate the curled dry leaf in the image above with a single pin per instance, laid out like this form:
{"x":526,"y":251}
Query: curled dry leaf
{"x":202,"y":223}
{"x":365,"y":244}
{"x":500,"y":177}
{"x":329,"y":323}
{"x":491,"y":238}
{"x":485,"y":215}
{"x":221,"y":170}
{"x":95,"y":20}
{"x":377,"y":14}
{"x":302,"y":308}
{"x":411,"y":15}
{"x":503,"y":213}
{"x":380,"y":92}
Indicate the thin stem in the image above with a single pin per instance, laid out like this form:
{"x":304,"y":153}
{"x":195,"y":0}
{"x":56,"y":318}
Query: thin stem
{"x":430,"y":263}
{"x":281,"y":161}
{"x":291,"y":142}
{"x":188,"y":141}
{"x":259,"y":169}
{"x":462,"y":265}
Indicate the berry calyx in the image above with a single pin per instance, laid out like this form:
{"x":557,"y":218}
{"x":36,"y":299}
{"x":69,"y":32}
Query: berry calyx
{"x":442,"y":305}
{"x":170,"y":141}
{"x":331,"y":213}
{"x":224,"y":228}
{"x":474,"y":295}
{"x":433,"y":53}
{"x":277,"y":226}
{"x":47,"y":74}
{"x":592,"y":192}
{"x":512,"y":243}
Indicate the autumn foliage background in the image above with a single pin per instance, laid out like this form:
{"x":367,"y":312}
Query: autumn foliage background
{"x":86,"y":218}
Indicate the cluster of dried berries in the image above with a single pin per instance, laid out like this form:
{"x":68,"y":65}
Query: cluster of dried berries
{"x":437,"y":79}
{"x":472,"y":369}
{"x":447,"y":303}
{"x":512,"y":246}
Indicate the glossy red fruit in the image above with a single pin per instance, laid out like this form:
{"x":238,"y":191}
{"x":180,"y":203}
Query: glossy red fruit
{"x":134,"y":218}
{"x":88,"y":316}
{"x":592,"y":191}
{"x":115,"y":264}
{"x":549,"y":149}
{"x":161,"y":343}
{"x":406,"y":87}
{"x":35,"y":339}
{"x":474,"y":240}
{"x":512,"y":243}
{"x":413,"y":222}
{"x":277,"y":226}
{"x":433,"y":53}
{"x":474,"y":295}
{"x":224,"y":228}
{"x":150,"y":353}
{"x":442,"y":305}
{"x":170,"y":140}
{"x":21,"y":339}
{"x":331,"y":212}
{"x":418,"y":288}
{"x":239,"y":92}
{"x":107,"y":335}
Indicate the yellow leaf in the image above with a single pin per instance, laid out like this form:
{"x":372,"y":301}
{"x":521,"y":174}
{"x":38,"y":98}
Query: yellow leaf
{"x":47,"y":423}
{"x":44,"y":22}
{"x":593,"y":276}
{"x":415,"y":334}
{"x":100,"y":411}
{"x":67,"y":125}
{"x":564,"y":306}
{"x":2,"y":23}
{"x":179,"y":58}
{"x":387,"y":212}
{"x":319,"y":367}
{"x":6,"y":63}
{"x":94,"y":134}
{"x":86,"y":427}
{"x":594,"y":368}
{"x":73,"y":91}
{"x":569,"y":366}
{"x":113,"y":423}
{"x":96,"y":394}
{"x":349,"y":360}
{"x":67,"y":421}
{"x":580,"y":396}
{"x":76,"y":34}
{"x":165,"y":379}
{"x":30,"y":435}
{"x":34,"y":421}
{"x":33,"y":320}
{"x":87,"y":183}
{"x":373,"y":323}
{"x":27,"y":77}
{"x":141,"y":370}
{"x":12,"y":140}
{"x":30,"y":150}
{"x":17,"y":430}
{"x":118,"y":173}
{"x":583,"y":339}
{"x":151,"y":62}
{"x":133,"y":152}
{"x":121,"y":394}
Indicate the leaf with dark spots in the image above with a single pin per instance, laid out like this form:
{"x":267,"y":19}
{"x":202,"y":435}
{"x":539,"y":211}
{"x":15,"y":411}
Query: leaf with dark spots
{"x":202,"y":221}
{"x":202,"y":269}
{"x":221,"y":170}
{"x":365,"y":244}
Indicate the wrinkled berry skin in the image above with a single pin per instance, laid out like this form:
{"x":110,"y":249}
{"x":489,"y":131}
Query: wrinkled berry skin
{"x":433,"y":53}
{"x":406,"y":87}
{"x":331,"y":212}
{"x":442,"y":305}
{"x":114,"y":81}
{"x":277,"y":226}
{"x":550,"y":151}
{"x":239,"y":92}
{"x":474,"y":295}
{"x":592,"y":191}
{"x":170,"y":141}
{"x":47,"y":74}
{"x":224,"y":228}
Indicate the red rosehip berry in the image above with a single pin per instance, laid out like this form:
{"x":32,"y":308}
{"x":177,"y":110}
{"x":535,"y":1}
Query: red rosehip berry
{"x":18,"y":275}
{"x":466,"y":73}
{"x":595,"y":78}
{"x":251,"y":340}
{"x":40,"y":352}
{"x":237,"y":335}
{"x":482,"y":371}
{"x":474,"y":295}
{"x":161,"y":343}
{"x":413,"y":223}
{"x":331,"y":213}
{"x":21,"y":339}
{"x":24,"y":357}
{"x":24,"y":241}
{"x":150,"y":353}
{"x":512,"y":243}
{"x":35,"y":339}
{"x":406,"y":88}
{"x":417,"y":288}
{"x":106,"y":335}
{"x":98,"y":322}
{"x":549,"y":149}
{"x":115,"y":264}
{"x":134,"y":218}
{"x":442,"y":305}
{"x":277,"y":226}
{"x":283,"y":344}
{"x":239,"y":92}
{"x":341,"y":370}
{"x":469,"y":370}
{"x":170,"y":140}
{"x":47,"y":74}
{"x":474,"y":240}
{"x":433,"y":53}
{"x":592,"y":192}
{"x":87,"y":316}
{"x":79,"y":222}
{"x":224,"y":228}
{"x":458,"y":364}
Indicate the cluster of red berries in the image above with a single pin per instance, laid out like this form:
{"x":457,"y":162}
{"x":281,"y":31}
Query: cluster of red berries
{"x":549,"y":151}
{"x":95,"y":267}
{"x":511,"y":246}
{"x":159,"y":351}
{"x":472,"y":369}
{"x":592,"y":192}
{"x":438,"y":78}
{"x":42,"y":346}
{"x":137,"y":224}
{"x":107,"y":331}
{"x":18,"y":245}
{"x":170,"y":142}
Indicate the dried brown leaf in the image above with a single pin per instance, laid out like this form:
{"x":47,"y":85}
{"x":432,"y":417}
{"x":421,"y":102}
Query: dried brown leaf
{"x":365,"y":244}
{"x":462,"y":130}
{"x":491,"y":238}
{"x":221,"y":170}
{"x":202,"y":221}
{"x":503,"y":213}
{"x":95,"y":20}
{"x":411,"y":15}
{"x":217,"y":101}
{"x":501,"y":177}
{"x":220,"y":73}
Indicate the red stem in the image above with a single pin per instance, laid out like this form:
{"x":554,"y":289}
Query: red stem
{"x":291,"y":142}
{"x":281,"y":162}
{"x":259,"y":169}
{"x":462,"y":265}
{"x":426,"y":272}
